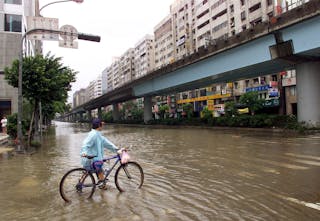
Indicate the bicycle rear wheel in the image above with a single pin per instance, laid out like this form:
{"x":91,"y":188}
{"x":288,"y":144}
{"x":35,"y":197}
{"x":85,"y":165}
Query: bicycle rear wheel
{"x":129,"y":177}
{"x":77,"y":184}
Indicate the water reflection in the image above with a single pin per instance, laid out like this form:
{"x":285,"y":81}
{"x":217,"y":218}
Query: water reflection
{"x":190,"y":174}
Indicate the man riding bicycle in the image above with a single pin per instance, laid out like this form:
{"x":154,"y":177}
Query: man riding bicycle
{"x":94,"y":145}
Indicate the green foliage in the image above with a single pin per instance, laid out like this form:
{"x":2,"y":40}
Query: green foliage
{"x":252,"y":101}
{"x":230,"y":108}
{"x":188,"y":109}
{"x":206,"y":114}
{"x":107,"y":116}
{"x":137,"y":114}
{"x":163,"y":109}
{"x":44,"y":79}
{"x":12,"y":126}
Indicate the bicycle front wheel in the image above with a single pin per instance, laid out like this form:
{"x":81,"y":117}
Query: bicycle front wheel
{"x":77,"y":184}
{"x":129,"y":176}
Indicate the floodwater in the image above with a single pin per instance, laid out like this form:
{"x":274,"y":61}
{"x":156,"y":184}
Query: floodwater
{"x":190,"y":174}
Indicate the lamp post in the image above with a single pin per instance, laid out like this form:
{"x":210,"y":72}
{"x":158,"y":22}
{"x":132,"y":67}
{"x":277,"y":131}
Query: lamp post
{"x":51,"y":3}
{"x":20,"y":97}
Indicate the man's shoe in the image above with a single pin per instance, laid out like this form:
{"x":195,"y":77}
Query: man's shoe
{"x":103,"y":187}
{"x":100,"y":183}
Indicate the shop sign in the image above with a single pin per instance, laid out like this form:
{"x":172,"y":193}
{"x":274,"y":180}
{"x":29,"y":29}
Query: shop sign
{"x":273,"y":92}
{"x":273,"y":83}
{"x":271,"y":103}
{"x":180,"y":41}
{"x":203,"y":98}
{"x":210,"y":105}
{"x":289,"y":81}
{"x":259,"y":88}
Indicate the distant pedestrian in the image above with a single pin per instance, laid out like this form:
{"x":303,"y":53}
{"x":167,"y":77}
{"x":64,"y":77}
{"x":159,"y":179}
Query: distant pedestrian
{"x":4,"y":122}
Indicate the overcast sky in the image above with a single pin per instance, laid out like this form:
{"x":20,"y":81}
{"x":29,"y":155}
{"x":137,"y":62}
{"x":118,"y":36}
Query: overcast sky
{"x":120,"y":23}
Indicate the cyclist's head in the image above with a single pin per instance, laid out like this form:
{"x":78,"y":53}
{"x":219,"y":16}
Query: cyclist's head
{"x":96,"y":123}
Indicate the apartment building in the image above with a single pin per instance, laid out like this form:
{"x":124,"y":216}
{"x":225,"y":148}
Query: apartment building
{"x":182,"y":14}
{"x":217,"y":19}
{"x":95,"y":88}
{"x":163,"y":41}
{"x":126,"y":67}
{"x":143,"y":57}
{"x":12,"y":25}
{"x":79,"y":97}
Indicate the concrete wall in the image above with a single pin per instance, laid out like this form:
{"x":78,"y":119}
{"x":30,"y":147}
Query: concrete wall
{"x":9,"y":51}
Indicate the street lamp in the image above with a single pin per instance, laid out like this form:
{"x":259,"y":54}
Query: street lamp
{"x":20,"y":97}
{"x":51,"y":3}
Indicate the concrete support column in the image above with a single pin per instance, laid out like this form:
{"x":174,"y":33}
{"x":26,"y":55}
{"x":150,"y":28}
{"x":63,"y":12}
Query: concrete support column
{"x":99,"y":113}
{"x":89,"y":115}
{"x":308,"y":91}
{"x":147,"y":115}
{"x":115,"y":112}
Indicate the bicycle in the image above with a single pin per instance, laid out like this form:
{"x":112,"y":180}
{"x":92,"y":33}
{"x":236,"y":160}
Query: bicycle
{"x":80,"y":181}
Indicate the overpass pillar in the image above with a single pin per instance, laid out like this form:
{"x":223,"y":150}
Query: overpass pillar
{"x":89,"y":115}
{"x":308,"y":90}
{"x":147,"y":103}
{"x":99,"y":113}
{"x":115,"y":112}
{"x":81,"y":117}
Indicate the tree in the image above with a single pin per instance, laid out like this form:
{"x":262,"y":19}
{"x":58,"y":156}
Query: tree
{"x":188,"y":109}
{"x":252,"y":101}
{"x":163,"y":109}
{"x":44,"y":79}
{"x":230,"y":108}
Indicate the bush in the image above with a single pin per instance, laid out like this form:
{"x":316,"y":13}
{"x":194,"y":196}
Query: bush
{"x":12,"y":126}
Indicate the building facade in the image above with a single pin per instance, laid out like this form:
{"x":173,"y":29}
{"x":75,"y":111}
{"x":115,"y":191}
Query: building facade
{"x":163,"y":43}
{"x":12,"y":26}
{"x":143,"y":57}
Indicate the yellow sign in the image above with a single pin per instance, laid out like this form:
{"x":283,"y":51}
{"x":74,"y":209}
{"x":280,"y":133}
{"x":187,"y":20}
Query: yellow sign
{"x":203,"y":98}
{"x":210,"y":105}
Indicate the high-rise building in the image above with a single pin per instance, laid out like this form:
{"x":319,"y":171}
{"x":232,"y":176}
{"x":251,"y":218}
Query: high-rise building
{"x":143,"y":56}
{"x":79,"y":97}
{"x":95,"y":88}
{"x":163,"y":43}
{"x":126,"y":67}
{"x":12,"y":26}
{"x":182,"y":14}
{"x":215,"y":19}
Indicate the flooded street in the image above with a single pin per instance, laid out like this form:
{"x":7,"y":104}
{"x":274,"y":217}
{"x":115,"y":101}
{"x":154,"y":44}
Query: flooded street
{"x":190,"y":174}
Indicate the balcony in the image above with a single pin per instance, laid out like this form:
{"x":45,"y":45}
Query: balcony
{"x":202,"y":20}
{"x":253,"y":2}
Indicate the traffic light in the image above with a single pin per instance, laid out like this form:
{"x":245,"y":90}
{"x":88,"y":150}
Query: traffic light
{"x":88,"y":37}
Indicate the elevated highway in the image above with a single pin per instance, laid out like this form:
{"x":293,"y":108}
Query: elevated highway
{"x":288,"y":41}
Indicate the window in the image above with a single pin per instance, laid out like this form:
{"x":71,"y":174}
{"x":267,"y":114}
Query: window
{"x":255,"y":7}
{"x":12,"y":23}
{"x":269,"y":2}
{"x":242,"y":2}
{"x":236,"y":85}
{"x":16,"y":2}
{"x":1,"y":72}
{"x":243,"y":15}
{"x":274,"y":77}
{"x":247,"y":83}
{"x":231,"y":8}
{"x":293,"y":91}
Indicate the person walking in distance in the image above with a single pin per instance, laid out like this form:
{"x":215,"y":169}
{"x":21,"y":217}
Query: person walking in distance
{"x":4,"y":123}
